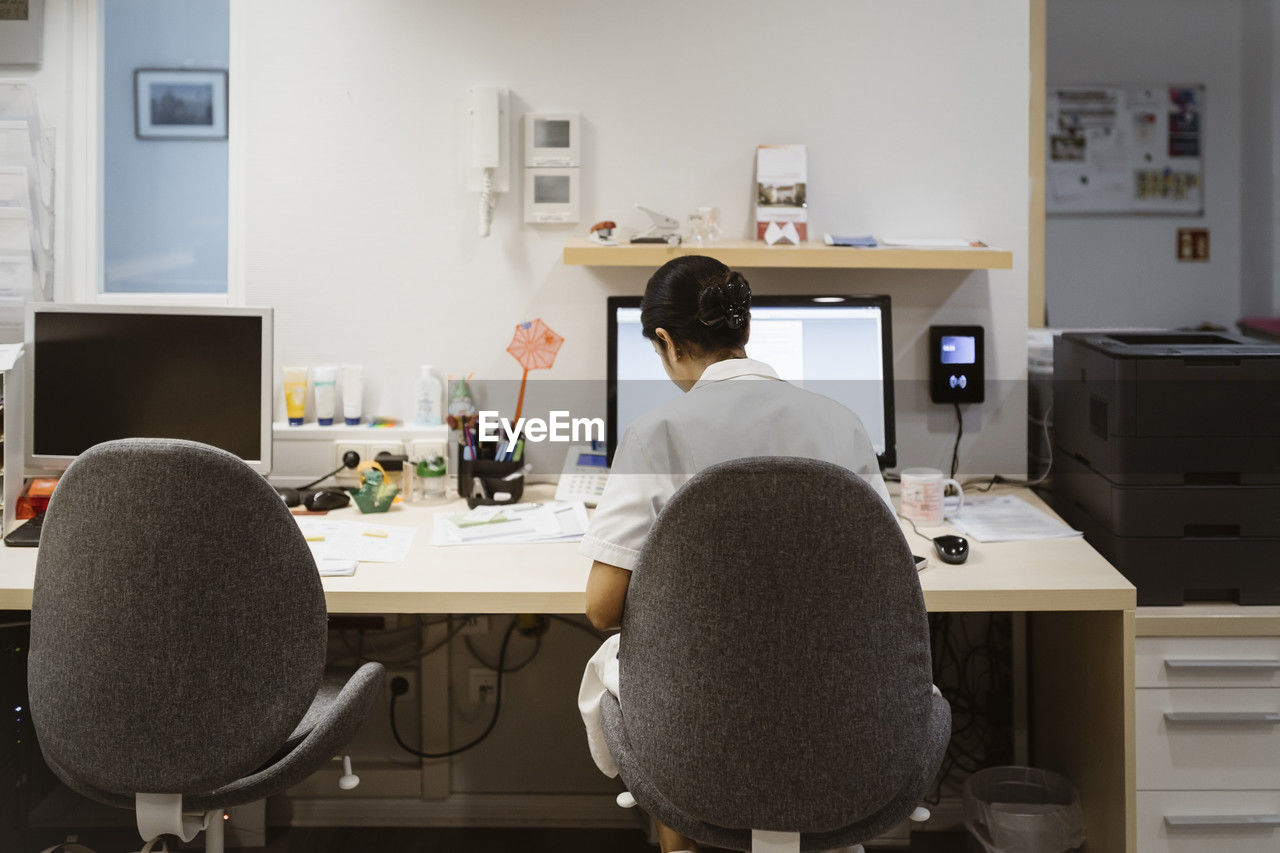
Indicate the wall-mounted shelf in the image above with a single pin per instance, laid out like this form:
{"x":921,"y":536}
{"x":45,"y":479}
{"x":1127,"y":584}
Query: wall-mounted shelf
{"x":751,"y":253}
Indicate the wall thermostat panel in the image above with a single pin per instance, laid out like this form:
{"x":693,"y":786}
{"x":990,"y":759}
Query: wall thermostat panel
{"x":552,"y":140}
{"x":956,"y":373}
{"x":550,"y":195}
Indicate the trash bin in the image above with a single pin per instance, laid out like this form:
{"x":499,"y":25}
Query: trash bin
{"x":1023,"y":810}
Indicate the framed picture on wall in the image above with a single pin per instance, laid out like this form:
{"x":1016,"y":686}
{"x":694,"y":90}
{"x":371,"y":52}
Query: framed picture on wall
{"x":180,"y":103}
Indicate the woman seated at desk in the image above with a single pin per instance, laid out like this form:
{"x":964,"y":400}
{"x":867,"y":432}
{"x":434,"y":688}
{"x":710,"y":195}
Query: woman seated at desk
{"x":697,"y":313}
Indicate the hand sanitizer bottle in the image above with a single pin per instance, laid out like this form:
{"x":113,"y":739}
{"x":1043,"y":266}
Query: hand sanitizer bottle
{"x":429,"y":397}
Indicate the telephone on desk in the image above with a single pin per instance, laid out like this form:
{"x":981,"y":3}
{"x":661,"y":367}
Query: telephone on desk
{"x":586,"y":470}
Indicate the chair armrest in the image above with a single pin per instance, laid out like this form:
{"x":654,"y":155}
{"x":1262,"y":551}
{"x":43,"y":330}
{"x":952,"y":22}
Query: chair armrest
{"x":332,"y":727}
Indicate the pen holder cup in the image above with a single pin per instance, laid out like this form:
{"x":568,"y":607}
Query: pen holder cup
{"x":488,"y":475}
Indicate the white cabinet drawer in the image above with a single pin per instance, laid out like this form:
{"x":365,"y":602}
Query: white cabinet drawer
{"x":1207,"y":662}
{"x":1209,"y":822}
{"x":1200,"y":739}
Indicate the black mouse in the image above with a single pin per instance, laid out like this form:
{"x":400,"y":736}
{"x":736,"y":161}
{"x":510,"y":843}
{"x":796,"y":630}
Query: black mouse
{"x":951,"y":549}
{"x":326,"y":499}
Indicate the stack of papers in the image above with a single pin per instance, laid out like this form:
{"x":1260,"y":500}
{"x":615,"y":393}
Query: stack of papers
{"x":1005,"y":518}
{"x":338,"y":545}
{"x":558,"y":521}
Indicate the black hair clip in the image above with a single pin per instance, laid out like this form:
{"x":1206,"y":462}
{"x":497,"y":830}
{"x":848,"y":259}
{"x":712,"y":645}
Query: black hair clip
{"x":735,"y":316}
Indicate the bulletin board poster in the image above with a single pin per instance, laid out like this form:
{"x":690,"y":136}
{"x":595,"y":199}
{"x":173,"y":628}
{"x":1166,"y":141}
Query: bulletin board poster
{"x":1125,"y":149}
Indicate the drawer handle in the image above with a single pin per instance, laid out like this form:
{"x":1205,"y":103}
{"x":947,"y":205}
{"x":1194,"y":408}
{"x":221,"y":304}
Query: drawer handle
{"x":1233,"y":718}
{"x":1221,"y":821}
{"x":1249,"y":665}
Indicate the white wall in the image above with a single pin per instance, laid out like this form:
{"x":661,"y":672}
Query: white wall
{"x":1123,"y":270}
{"x":362,"y":237}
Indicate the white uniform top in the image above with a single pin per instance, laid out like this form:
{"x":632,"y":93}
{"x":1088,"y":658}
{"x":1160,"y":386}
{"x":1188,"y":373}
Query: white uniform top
{"x":738,"y":408}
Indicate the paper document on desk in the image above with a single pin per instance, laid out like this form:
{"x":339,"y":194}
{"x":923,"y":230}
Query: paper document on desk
{"x":528,"y":523}
{"x":335,"y":542}
{"x":1005,"y":518}
{"x":336,"y":568}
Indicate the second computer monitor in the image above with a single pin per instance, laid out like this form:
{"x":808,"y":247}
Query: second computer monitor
{"x":104,"y":372}
{"x":837,"y":346}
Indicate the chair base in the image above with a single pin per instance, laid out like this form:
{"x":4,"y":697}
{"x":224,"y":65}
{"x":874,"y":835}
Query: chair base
{"x":162,"y":814}
{"x":786,"y":842}
{"x":774,"y":842}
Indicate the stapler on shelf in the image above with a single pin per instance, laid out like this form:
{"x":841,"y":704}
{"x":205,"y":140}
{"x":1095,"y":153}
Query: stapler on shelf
{"x":665,"y":229}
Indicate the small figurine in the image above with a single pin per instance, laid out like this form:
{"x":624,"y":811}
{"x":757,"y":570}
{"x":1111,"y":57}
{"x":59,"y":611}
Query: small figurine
{"x":375,"y":493}
{"x":461,"y":405}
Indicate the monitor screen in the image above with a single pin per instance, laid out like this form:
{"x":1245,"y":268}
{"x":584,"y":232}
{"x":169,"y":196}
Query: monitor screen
{"x":103,"y":373}
{"x":839,"y":347}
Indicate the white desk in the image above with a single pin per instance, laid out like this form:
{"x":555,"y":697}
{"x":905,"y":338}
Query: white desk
{"x":1081,"y":630}
{"x":1057,"y":575}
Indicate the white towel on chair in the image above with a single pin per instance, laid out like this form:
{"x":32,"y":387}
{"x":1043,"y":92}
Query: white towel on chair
{"x":600,"y":677}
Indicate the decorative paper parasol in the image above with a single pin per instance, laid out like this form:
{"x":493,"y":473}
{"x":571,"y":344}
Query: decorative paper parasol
{"x":535,"y":347}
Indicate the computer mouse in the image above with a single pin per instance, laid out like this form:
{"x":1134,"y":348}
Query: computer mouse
{"x":951,"y":549}
{"x":326,"y":499}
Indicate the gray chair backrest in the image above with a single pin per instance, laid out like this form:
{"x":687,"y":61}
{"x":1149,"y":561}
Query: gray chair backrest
{"x":774,"y":661}
{"x":178,"y":624}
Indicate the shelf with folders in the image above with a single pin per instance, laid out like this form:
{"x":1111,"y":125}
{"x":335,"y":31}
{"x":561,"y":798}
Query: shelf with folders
{"x":26,"y":205}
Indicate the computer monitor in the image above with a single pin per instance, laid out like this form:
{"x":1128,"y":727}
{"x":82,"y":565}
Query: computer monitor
{"x":103,"y":372}
{"x":837,"y":346}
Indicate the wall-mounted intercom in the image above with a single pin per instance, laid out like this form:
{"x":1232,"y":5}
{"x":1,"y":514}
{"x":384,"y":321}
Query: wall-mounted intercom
{"x":550,"y":195}
{"x":552,"y":163}
{"x":552,"y":140}
{"x":956,"y":372}
{"x":488,"y":154}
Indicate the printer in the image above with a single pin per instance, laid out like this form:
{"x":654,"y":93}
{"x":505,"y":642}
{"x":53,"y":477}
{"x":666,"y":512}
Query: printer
{"x":1167,"y":456}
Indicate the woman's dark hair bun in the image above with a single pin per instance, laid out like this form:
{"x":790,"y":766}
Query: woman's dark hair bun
{"x":700,"y":302}
{"x":726,"y":304}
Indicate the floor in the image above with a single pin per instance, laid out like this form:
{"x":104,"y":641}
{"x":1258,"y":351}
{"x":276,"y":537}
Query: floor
{"x":340,"y":840}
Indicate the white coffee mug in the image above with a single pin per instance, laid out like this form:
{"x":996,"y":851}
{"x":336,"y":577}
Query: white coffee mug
{"x":922,"y":490}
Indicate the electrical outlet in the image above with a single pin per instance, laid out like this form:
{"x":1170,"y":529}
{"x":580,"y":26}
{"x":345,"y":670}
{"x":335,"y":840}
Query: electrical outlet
{"x":482,"y":686}
{"x":346,"y":476}
{"x":423,"y":448}
{"x":476,"y":625}
{"x":395,"y":448}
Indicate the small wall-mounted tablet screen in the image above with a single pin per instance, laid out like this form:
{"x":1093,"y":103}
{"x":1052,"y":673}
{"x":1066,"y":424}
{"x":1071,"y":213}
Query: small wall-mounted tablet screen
{"x":956,"y":373}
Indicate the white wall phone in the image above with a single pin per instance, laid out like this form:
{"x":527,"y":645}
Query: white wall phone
{"x":586,"y":469}
{"x":488,"y":147}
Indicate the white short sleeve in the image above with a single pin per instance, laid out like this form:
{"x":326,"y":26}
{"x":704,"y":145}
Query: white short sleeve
{"x":860,"y":457}
{"x":633,"y":496}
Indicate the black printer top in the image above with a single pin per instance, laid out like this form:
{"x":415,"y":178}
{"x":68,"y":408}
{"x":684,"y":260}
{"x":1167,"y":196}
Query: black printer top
{"x":1173,"y":344}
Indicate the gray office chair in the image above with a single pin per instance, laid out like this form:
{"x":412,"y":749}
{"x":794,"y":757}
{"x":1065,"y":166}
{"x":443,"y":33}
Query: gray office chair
{"x":178,"y":632}
{"x":774,"y":663}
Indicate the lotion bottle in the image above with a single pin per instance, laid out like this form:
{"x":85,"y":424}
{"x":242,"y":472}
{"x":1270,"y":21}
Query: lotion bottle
{"x":429,"y":397}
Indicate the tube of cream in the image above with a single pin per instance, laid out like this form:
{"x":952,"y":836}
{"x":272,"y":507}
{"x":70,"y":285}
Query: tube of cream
{"x":325,"y":381}
{"x":352,"y":393}
{"x":295,"y":394}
